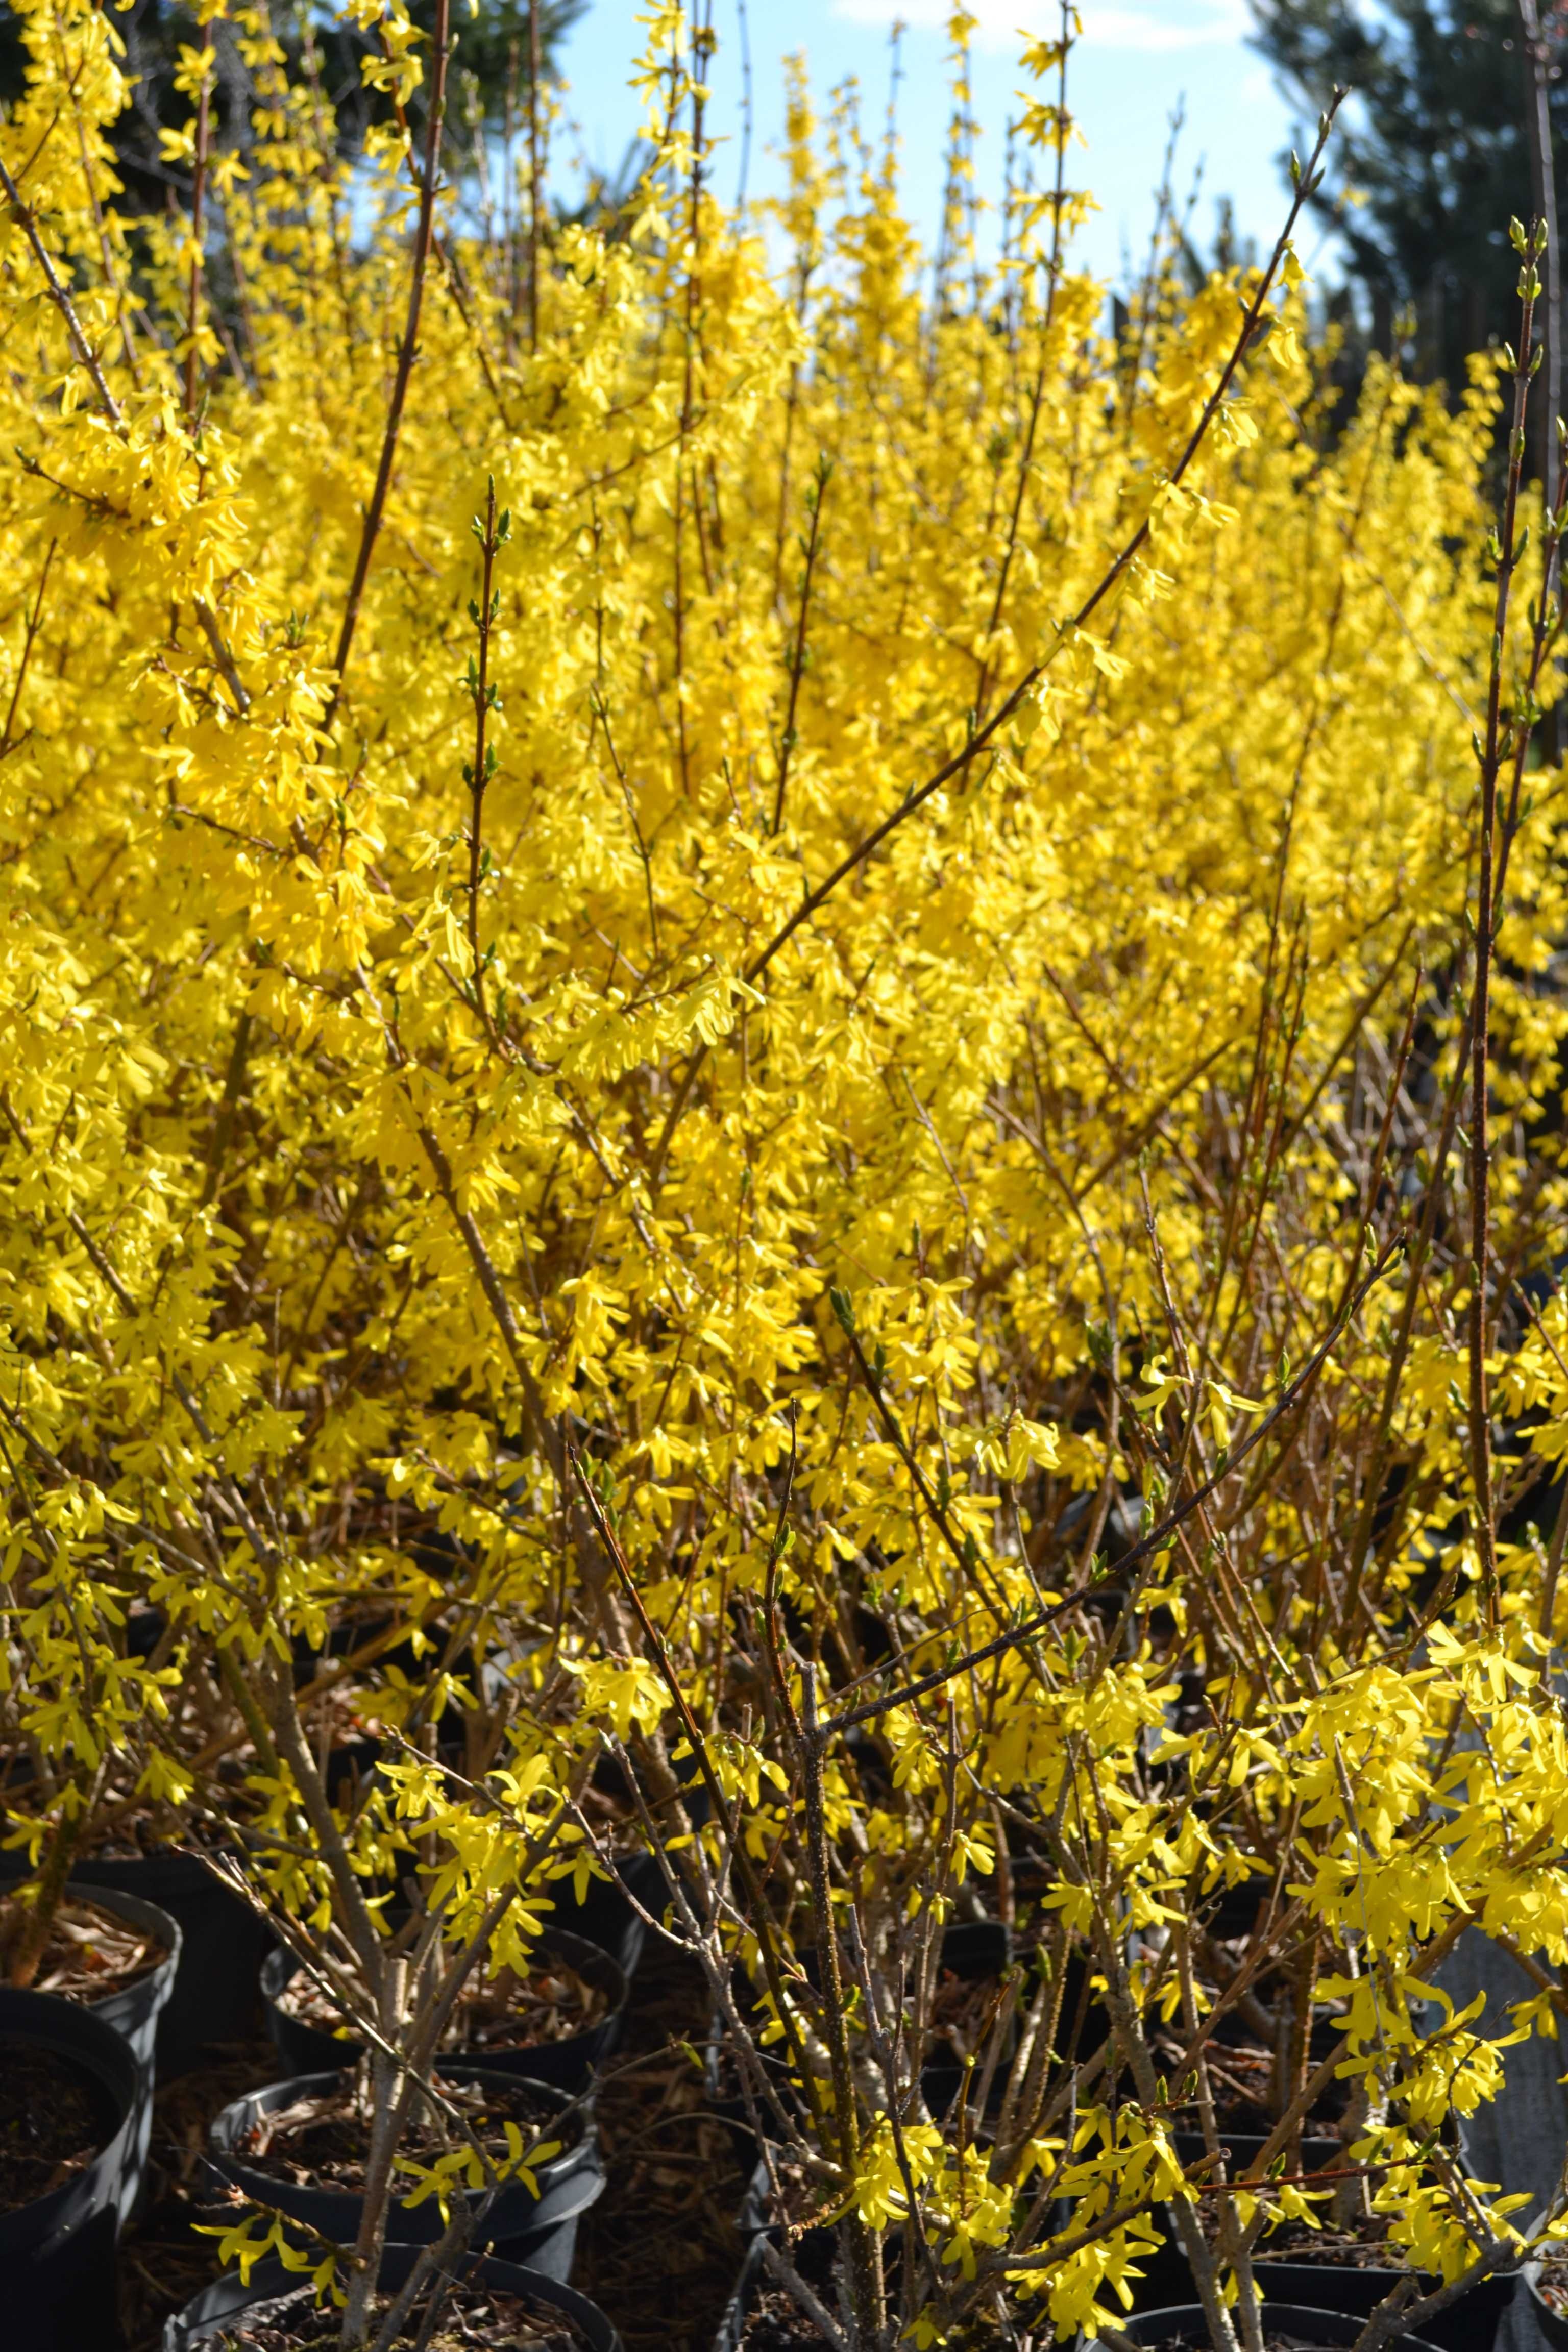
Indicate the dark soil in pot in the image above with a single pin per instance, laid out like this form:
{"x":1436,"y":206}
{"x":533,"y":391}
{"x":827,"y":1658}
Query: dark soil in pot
{"x":762,"y":2315}
{"x":119,"y":1956}
{"x":774,"y":2324}
{"x":322,"y":2136}
{"x":67,"y":2090}
{"x":556,"y":2024}
{"x":476,"y":2317}
{"x":498,"y":2307}
{"x":300,"y":2145}
{"x":1241,"y":2076}
{"x":55,"y":2116}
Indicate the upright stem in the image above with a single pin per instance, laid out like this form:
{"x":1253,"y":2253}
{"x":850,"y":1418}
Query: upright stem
{"x":485,"y":700}
{"x":389,"y":2106}
{"x":797,"y":660}
{"x":867,"y":2284}
{"x":536,"y":176}
{"x":280,"y":1706}
{"x":701,"y":50}
{"x":509,"y":200}
{"x":745,"y":108}
{"x":27,"y":1951}
{"x":1537,"y":129}
{"x":423,"y":239}
{"x":1231,"y":2248}
{"x":198,"y":223}
{"x":1480,"y":1018}
{"x":8,"y":739}
{"x":1184,"y":2216}
{"x":1026,"y":454}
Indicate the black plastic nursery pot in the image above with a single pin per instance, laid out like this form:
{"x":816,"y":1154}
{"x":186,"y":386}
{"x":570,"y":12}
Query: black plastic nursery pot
{"x":1234,"y":1913}
{"x":1305,"y":2323}
{"x":1551,"y":2323}
{"x":813,"y":2254}
{"x":307,"y":2048}
{"x":1469,"y":2325}
{"x":724,"y":2099}
{"x":974,"y":1950}
{"x":229,"y":2300}
{"x":971,"y":1950}
{"x":606,"y":1916}
{"x":813,"y":2257}
{"x":134,"y":2012}
{"x":541,"y":2231}
{"x":212,"y":1996}
{"x":737,"y":2311}
{"x":1176,"y":2324}
{"x":57,"y":2252}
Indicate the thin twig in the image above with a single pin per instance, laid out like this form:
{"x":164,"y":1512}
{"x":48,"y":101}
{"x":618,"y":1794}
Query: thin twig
{"x":407,"y":349}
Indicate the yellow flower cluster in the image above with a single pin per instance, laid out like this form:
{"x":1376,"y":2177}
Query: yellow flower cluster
{"x":702,"y":978}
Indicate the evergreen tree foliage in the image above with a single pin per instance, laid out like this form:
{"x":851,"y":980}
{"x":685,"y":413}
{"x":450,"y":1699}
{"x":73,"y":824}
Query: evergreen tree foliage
{"x":1434,"y":145}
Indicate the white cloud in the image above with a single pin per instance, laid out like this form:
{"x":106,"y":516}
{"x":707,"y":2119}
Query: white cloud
{"x":1168,"y":24}
{"x":1165,"y":25}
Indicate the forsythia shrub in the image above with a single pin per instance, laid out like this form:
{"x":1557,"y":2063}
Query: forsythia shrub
{"x":742,"y":993}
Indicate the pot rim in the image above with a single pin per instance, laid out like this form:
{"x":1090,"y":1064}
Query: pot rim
{"x":233,"y":2121}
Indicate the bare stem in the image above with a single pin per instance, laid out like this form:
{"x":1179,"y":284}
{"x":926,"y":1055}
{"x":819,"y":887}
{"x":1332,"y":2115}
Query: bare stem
{"x":863,"y":2263}
{"x":536,"y":176}
{"x":491,"y":533}
{"x":7,"y":740}
{"x":814,"y":497}
{"x":408,"y":350}
{"x":198,"y":224}
{"x":1493,"y":753}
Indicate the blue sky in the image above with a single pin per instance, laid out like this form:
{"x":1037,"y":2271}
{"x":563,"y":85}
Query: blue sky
{"x":1138,"y":58}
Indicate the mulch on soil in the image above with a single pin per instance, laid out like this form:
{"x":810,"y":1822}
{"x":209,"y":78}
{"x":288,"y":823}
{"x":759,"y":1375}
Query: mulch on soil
{"x":90,"y":1953}
{"x":505,"y":2012}
{"x":1551,"y":2285}
{"x":324,"y":2139}
{"x":162,"y":2261}
{"x":660,"y":2249}
{"x":477,"y":2320}
{"x":774,"y":2324}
